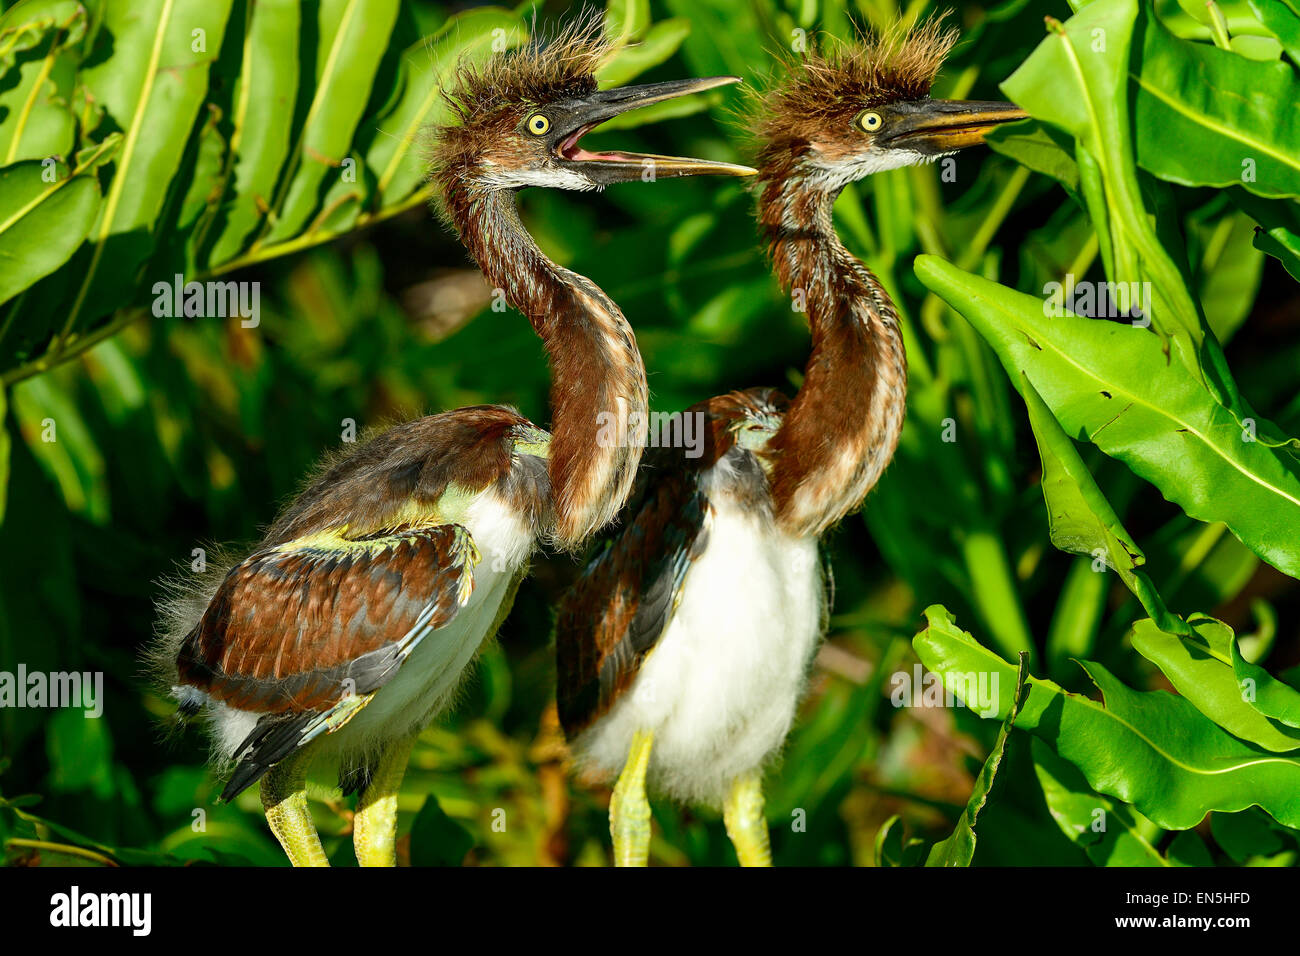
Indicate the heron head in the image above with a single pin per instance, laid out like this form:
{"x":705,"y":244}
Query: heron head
{"x":851,"y":110}
{"x":522,"y":116}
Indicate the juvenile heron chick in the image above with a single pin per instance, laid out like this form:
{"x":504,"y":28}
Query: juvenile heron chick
{"x":683,"y":649}
{"x":353,"y":621}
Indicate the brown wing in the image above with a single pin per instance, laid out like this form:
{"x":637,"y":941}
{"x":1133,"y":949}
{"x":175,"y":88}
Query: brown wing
{"x":298,"y":627}
{"x":615,"y":613}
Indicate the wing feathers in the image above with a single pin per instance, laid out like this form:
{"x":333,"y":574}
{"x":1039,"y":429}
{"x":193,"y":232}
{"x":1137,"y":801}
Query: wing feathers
{"x":291,"y":625}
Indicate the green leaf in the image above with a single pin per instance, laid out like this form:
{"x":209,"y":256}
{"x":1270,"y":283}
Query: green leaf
{"x":1078,"y":81}
{"x":1229,"y":273}
{"x":1267,"y":694}
{"x":1282,"y":18}
{"x":467,"y":37}
{"x":1246,"y":834}
{"x":41,"y":223}
{"x":353,"y":36}
{"x":261,"y":120}
{"x":37,"y":121}
{"x":152,"y":86}
{"x":1080,"y":519}
{"x":1281,"y":245}
{"x":1031,"y":144}
{"x":1151,"y":749}
{"x":1111,"y":833}
{"x":1210,"y":117}
{"x":891,"y":850}
{"x":1111,"y":384}
{"x":959,"y":848}
{"x":1279,"y":229}
{"x":437,"y":839}
{"x":1199,"y":666}
{"x":625,"y":20}
{"x":1188,"y":849}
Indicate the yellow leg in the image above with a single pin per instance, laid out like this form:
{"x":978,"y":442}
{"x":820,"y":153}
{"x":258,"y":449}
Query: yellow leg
{"x":629,"y":810}
{"x":746,"y":825}
{"x":374,"y":827}
{"x":284,"y":797}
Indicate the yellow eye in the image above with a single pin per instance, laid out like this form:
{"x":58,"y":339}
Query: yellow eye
{"x":538,"y":124}
{"x":870,"y":121}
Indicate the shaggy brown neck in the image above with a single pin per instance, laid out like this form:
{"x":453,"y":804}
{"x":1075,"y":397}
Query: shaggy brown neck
{"x":599,"y":396}
{"x":843,"y":426}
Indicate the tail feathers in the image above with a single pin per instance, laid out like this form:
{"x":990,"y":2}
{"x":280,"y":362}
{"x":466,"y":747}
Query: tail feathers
{"x":273,"y":739}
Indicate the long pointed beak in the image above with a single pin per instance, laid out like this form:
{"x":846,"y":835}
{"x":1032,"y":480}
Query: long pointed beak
{"x":581,"y":115}
{"x":942,"y":126}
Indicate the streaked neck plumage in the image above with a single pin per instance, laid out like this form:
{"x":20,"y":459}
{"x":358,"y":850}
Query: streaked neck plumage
{"x":843,"y":426}
{"x":599,"y":395}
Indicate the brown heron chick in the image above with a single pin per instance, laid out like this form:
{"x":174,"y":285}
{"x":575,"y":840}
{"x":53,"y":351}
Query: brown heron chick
{"x":683,"y":649}
{"x":351,"y":624}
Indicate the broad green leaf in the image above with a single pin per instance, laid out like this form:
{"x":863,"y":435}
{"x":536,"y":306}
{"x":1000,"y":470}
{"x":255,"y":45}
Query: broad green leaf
{"x":1209,"y":117}
{"x":1078,"y":81}
{"x":468,"y":37}
{"x":1282,"y":245}
{"x":1271,"y":696}
{"x":1246,"y":834}
{"x":205,"y":186}
{"x":41,"y":223}
{"x":1279,"y":228}
{"x":152,"y":86}
{"x":1264,"y":49}
{"x":959,"y":848}
{"x":1188,"y":849}
{"x":1030,"y":144}
{"x":1199,"y":666}
{"x":1151,"y":749}
{"x":437,"y":839}
{"x":1080,"y":519}
{"x":1112,"y":834}
{"x":353,"y":35}
{"x":34,"y":104}
{"x":1111,"y":384}
{"x":1282,"y":17}
{"x":25,"y":24}
{"x":261,"y":120}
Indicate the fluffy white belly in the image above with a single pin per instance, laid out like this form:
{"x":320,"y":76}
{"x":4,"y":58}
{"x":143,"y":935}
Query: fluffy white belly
{"x":720,"y":689}
{"x":427,"y":681}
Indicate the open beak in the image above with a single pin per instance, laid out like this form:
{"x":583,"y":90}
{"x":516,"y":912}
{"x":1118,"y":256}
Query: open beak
{"x":576,"y":117}
{"x":933,"y":127}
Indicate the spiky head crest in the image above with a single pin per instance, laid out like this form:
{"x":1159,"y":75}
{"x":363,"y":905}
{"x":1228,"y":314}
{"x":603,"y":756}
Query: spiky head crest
{"x":546,"y":68}
{"x":490,"y":101}
{"x":812,"y":112}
